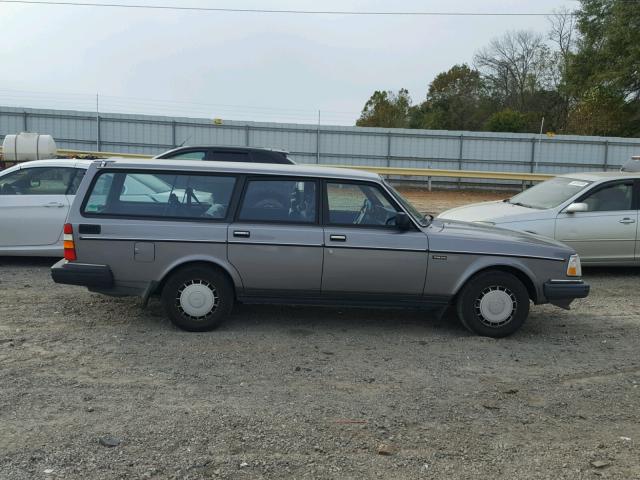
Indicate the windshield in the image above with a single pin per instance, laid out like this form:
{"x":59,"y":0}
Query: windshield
{"x":413,"y":211}
{"x":550,"y":193}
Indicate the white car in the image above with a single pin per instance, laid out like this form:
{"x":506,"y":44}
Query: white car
{"x":34,"y":201}
{"x":595,"y":213}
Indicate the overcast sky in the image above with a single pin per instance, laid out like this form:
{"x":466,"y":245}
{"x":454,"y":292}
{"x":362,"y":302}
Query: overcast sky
{"x":262,"y":67}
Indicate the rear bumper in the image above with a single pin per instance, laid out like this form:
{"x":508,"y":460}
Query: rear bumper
{"x":562,"y":292}
{"x":83,"y":274}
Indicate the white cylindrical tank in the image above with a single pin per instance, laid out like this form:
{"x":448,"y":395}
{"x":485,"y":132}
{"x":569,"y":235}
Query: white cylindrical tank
{"x":28,"y":146}
{"x":632,"y":165}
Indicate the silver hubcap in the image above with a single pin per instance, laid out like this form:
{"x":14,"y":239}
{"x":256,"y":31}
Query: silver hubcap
{"x":496,"y":306}
{"x":197,"y":299}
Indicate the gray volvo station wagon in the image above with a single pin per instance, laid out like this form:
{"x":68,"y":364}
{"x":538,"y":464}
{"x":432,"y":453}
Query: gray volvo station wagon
{"x":203,"y":236}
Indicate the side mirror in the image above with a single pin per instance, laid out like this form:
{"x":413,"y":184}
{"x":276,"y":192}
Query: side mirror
{"x":577,"y":207}
{"x":34,"y":183}
{"x":403,"y":222}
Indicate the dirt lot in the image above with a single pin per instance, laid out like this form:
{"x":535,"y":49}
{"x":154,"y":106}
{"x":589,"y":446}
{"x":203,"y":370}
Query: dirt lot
{"x":437,"y":201}
{"x":293,"y":392}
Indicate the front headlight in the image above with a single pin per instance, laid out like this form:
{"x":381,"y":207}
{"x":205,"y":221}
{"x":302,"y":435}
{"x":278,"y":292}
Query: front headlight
{"x":574,"y":269}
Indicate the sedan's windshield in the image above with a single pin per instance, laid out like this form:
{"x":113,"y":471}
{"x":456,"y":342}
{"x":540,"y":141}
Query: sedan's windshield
{"x":550,"y":193}
{"x":413,"y":211}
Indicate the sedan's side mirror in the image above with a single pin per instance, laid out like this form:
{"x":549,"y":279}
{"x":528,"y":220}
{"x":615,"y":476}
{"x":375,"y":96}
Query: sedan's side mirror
{"x":577,"y":207}
{"x":403,"y":222}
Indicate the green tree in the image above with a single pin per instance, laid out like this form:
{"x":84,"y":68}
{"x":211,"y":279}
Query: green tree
{"x":600,"y":111}
{"x":604,"y":74}
{"x":386,"y":109}
{"x":455,"y":100}
{"x":507,"y":121}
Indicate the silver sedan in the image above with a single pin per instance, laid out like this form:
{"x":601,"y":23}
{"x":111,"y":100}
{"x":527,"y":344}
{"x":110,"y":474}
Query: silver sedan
{"x":595,"y":213}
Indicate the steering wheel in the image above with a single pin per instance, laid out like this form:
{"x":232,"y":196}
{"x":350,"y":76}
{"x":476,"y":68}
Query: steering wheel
{"x":364,"y":211}
{"x":390,"y":220}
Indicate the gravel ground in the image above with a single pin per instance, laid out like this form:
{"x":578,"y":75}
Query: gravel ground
{"x":306,"y":392}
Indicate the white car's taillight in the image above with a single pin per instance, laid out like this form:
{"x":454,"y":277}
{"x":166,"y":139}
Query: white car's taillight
{"x":574,"y":269}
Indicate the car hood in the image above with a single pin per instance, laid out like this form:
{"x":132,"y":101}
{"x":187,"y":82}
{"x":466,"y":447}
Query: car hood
{"x":465,"y":237}
{"x":496,"y":212}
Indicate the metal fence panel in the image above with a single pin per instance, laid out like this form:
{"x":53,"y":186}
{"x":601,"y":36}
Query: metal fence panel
{"x":508,"y":152}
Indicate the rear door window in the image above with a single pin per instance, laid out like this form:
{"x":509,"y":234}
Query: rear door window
{"x":76,"y":181}
{"x":229,"y":156}
{"x":38,"y":181}
{"x":160,"y":194}
{"x":280,"y":201}
{"x":263,"y":157}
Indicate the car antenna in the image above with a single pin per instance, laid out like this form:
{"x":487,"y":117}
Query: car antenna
{"x":185,"y":141}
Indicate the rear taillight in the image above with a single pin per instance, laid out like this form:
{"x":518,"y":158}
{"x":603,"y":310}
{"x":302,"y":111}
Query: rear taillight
{"x":69,"y":246}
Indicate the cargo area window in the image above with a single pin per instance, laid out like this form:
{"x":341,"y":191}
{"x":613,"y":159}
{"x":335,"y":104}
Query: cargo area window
{"x":146,"y":194}
{"x":279,"y":201}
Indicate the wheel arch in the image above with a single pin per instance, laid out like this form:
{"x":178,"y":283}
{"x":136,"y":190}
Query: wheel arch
{"x":521,"y":272}
{"x":227,"y":270}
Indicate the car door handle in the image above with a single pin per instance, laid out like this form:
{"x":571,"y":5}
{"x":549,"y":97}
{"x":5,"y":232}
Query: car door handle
{"x":54,"y":205}
{"x":338,"y":238}
{"x":627,"y":220}
{"x":241,"y":233}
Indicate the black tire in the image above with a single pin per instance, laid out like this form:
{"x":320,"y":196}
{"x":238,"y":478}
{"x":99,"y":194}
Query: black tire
{"x":499,"y":321}
{"x":208,"y":286}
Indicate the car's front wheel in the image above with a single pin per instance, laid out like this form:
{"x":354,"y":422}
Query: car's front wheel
{"x":493,"y":304}
{"x":197,"y":298}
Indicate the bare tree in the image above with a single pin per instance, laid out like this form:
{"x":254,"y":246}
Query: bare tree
{"x":514,"y":65}
{"x":563,"y":30}
{"x":562,"y":34}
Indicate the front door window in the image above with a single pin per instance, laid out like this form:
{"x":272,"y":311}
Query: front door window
{"x":358,"y":204}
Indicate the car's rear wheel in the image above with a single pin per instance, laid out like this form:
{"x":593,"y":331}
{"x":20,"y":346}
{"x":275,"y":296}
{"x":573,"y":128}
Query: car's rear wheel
{"x":493,"y":304}
{"x":197,"y":298}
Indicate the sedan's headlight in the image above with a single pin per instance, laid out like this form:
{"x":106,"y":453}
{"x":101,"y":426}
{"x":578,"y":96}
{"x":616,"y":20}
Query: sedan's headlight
{"x":574,"y":269}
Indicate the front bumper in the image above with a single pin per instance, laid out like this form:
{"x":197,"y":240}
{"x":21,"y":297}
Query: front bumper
{"x":83,"y":274}
{"x":562,"y":292}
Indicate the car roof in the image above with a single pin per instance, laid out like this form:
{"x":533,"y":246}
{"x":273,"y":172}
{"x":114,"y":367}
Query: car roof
{"x":56,"y":162}
{"x":240,"y":167}
{"x":225,"y":147}
{"x":601,"y":176}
